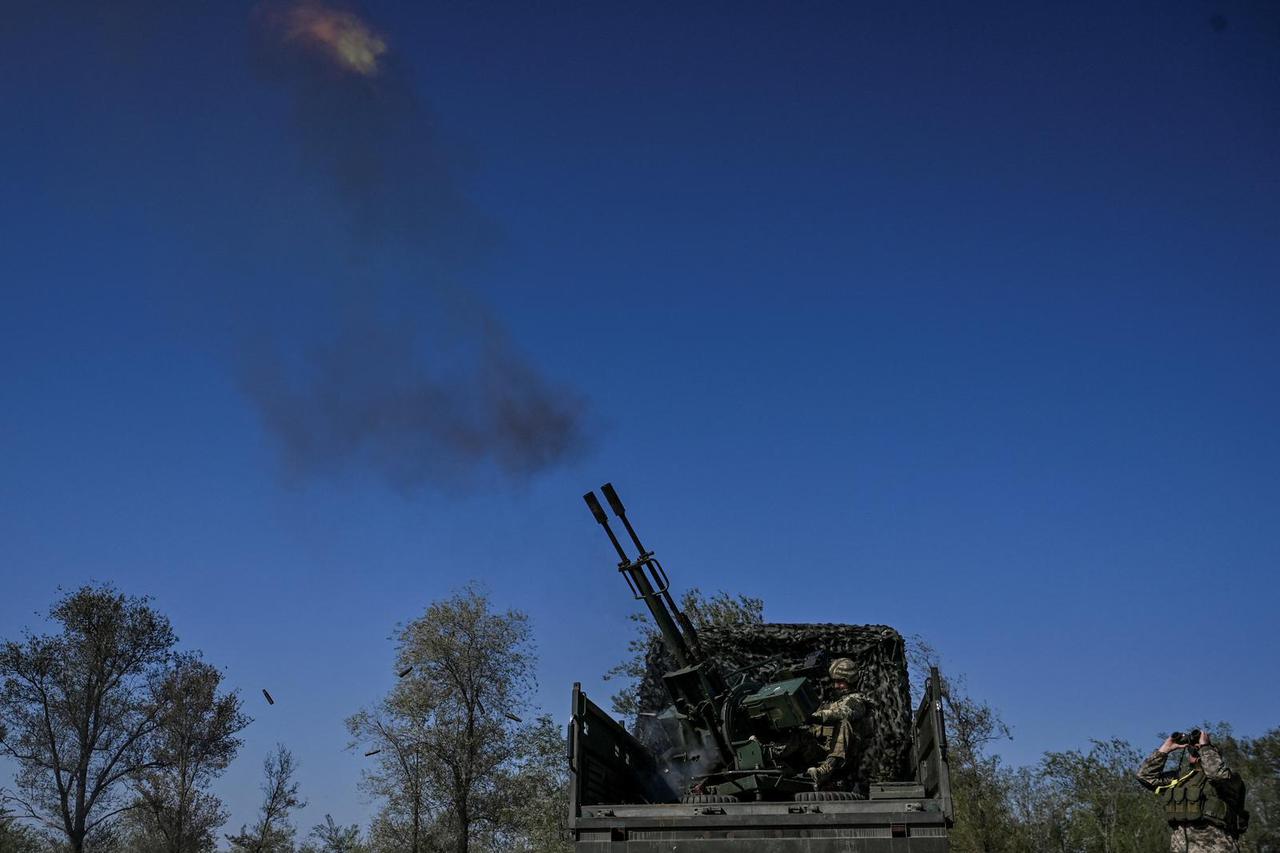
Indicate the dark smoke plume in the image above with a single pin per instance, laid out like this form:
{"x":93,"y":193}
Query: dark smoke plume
{"x":401,"y":401}
{"x":367,"y":400}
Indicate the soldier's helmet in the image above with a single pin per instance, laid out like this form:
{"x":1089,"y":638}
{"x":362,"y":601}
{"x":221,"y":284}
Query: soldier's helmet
{"x":842,"y":669}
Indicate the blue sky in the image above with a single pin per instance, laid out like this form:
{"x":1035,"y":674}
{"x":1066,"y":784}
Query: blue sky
{"x":961,"y":321}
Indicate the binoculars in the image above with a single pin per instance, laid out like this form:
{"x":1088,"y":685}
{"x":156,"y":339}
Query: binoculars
{"x":1191,"y":738}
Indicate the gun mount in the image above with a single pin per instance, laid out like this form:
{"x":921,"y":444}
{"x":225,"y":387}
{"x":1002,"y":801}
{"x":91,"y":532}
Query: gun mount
{"x":737,"y":737}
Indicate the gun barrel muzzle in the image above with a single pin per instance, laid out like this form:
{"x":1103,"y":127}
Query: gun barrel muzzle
{"x":596,"y":509}
{"x":612,"y":497}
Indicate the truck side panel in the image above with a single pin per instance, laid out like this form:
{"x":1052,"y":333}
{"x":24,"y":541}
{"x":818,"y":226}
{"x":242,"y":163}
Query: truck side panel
{"x":607,"y":764}
{"x":929,"y":746}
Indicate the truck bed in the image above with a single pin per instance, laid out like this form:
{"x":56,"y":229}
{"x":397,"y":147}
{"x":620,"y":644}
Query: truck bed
{"x":621,"y":803}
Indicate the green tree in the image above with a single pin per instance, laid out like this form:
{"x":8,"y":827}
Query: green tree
{"x":449,"y":730}
{"x":399,"y":776}
{"x":535,"y":792}
{"x":79,"y":708}
{"x":15,"y":837}
{"x":273,"y":832}
{"x":1106,"y":810}
{"x":193,"y":744}
{"x":331,"y":837}
{"x":983,"y":818}
{"x":720,"y":610}
{"x":1039,"y":814}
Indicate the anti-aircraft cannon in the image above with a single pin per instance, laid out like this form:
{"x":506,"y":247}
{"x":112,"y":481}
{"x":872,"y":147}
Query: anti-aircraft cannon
{"x":710,"y":767}
{"x":738,"y":735}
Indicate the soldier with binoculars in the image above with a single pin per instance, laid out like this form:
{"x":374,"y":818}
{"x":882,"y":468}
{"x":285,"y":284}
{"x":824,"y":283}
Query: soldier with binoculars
{"x":1203,"y":801}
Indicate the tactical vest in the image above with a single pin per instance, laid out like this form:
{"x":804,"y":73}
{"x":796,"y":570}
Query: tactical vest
{"x":1192,"y":798}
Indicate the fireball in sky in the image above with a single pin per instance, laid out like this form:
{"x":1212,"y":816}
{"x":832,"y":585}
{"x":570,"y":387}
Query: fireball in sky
{"x":338,"y":35}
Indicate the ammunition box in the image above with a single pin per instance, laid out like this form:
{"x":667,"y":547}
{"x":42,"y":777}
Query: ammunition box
{"x":784,"y":704}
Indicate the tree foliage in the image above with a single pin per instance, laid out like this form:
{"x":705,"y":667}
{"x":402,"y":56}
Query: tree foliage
{"x":193,"y":744}
{"x":1104,"y":810}
{"x":399,"y":777}
{"x":448,"y":738}
{"x":79,"y":708}
{"x":273,"y":831}
{"x":331,"y":837}
{"x":15,"y":837}
{"x":535,"y":790}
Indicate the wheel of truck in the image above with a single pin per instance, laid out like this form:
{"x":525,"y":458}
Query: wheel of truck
{"x":706,"y":799}
{"x":826,"y":796}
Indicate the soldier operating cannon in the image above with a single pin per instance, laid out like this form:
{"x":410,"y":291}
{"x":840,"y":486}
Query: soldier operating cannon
{"x":740,"y":738}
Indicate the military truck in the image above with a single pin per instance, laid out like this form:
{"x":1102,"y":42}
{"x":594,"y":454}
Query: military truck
{"x":711,"y":765}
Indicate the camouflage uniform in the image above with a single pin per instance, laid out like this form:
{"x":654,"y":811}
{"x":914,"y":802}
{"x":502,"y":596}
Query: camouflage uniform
{"x":834,"y":743}
{"x":837,"y":733}
{"x":1201,"y":835}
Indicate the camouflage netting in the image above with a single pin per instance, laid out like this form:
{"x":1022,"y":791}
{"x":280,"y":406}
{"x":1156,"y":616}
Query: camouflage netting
{"x":877,"y":650}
